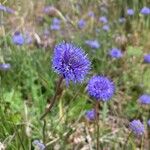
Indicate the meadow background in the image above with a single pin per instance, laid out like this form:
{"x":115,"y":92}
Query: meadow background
{"x":29,"y":82}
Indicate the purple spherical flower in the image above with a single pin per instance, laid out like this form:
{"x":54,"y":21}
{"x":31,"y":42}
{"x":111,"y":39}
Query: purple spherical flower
{"x":5,"y":67}
{"x":144,"y":99}
{"x":39,"y":145}
{"x":137,"y":127}
{"x":50,"y":10}
{"x":7,"y":9}
{"x":115,"y":53}
{"x":55,"y":24}
{"x":93,"y":43}
{"x":103,"y":19}
{"x":71,"y":62}
{"x":56,"y":21}
{"x":147,"y":58}
{"x":55,"y":27}
{"x":91,"y":115}
{"x":148,"y":122}
{"x":91,"y":14}
{"x":106,"y":28}
{"x":130,"y":12}
{"x":81,"y":24}
{"x":18,"y":38}
{"x":145,"y":11}
{"x":101,"y":88}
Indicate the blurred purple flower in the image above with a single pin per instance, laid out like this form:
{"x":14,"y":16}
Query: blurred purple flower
{"x":148,"y":122}
{"x":18,"y":38}
{"x":55,"y":27}
{"x":91,"y":114}
{"x":56,"y":21}
{"x":103,"y":19}
{"x":71,"y":62}
{"x":55,"y":24}
{"x":144,"y":99}
{"x":137,"y":127}
{"x":7,"y":9}
{"x":101,"y":88}
{"x":50,"y":10}
{"x":38,"y":144}
{"x":93,"y":43}
{"x":130,"y":12}
{"x":106,"y":28}
{"x":147,"y":58}
{"x":91,"y":14}
{"x":81,"y":23}
{"x":145,"y":11}
{"x":5,"y":67}
{"x":115,"y":53}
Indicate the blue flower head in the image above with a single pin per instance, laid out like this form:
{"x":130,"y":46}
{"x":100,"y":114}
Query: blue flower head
{"x":6,"y":9}
{"x":115,"y":53}
{"x":81,"y":24}
{"x":18,"y":38}
{"x":93,"y":43}
{"x":91,"y":115}
{"x":144,"y":99}
{"x":91,"y":14}
{"x":137,"y":127}
{"x":39,"y":145}
{"x":106,"y":28}
{"x":49,"y":10}
{"x":147,"y":58}
{"x":145,"y":11}
{"x":130,"y":12}
{"x":56,"y":21}
{"x":101,"y":88}
{"x":5,"y":67}
{"x":103,"y":19}
{"x":55,"y":24}
{"x":71,"y":62}
{"x":55,"y":27}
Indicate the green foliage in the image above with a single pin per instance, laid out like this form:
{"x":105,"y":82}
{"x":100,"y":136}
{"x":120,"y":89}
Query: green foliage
{"x":134,"y":51}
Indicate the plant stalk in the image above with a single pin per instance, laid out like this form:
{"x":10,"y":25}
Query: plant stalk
{"x":52,"y":101}
{"x":97,"y":125}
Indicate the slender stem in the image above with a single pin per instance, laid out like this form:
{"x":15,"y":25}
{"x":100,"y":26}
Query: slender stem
{"x":52,"y":101}
{"x":19,"y":137}
{"x":142,"y":142}
{"x":44,"y":127}
{"x":149,"y":128}
{"x":97,"y":125}
{"x":61,"y":111}
{"x":126,"y":142}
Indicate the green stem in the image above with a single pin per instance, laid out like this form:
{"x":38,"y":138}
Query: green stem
{"x":126,"y":142}
{"x":97,"y":125}
{"x":142,"y":141}
{"x":52,"y":102}
{"x":44,"y":127}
